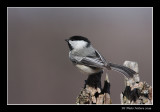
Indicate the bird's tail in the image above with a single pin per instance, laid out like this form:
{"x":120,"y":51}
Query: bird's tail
{"x":122,"y":69}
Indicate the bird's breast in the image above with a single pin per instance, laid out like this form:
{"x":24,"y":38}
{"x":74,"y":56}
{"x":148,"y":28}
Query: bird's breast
{"x":87,"y":70}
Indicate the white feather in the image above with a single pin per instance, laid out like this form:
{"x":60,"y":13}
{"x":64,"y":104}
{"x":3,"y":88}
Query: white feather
{"x":79,"y":44}
{"x":87,"y":70}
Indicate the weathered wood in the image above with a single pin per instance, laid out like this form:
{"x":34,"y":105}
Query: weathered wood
{"x":136,"y":91}
{"x":92,"y":93}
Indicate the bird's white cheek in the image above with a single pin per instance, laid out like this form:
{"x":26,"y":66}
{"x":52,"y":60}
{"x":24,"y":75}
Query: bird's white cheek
{"x":78,"y":44}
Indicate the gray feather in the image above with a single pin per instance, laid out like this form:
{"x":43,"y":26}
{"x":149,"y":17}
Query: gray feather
{"x":122,"y":69}
{"x":88,"y":57}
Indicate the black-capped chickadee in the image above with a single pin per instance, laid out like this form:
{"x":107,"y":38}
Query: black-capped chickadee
{"x":89,"y":60}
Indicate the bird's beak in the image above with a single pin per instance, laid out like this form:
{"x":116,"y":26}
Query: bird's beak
{"x":66,"y":40}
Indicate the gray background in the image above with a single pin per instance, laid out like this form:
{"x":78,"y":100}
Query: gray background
{"x":39,"y":71}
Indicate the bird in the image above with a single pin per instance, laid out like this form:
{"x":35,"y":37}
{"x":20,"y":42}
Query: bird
{"x":89,"y":61}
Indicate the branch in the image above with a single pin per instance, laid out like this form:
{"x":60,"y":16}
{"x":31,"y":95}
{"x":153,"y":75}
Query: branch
{"x":136,"y":91}
{"x":92,"y":93}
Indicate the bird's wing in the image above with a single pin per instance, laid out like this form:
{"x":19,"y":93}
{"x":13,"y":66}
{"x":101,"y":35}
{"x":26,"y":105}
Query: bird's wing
{"x":101,"y":57}
{"x":93,"y":60}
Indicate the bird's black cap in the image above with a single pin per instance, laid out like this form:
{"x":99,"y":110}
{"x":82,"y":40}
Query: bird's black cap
{"x":79,"y":38}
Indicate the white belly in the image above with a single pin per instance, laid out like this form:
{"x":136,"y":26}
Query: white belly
{"x":87,"y":70}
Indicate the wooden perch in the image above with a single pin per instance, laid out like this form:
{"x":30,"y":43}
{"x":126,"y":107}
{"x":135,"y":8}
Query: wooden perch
{"x":136,"y":92}
{"x":92,"y":93}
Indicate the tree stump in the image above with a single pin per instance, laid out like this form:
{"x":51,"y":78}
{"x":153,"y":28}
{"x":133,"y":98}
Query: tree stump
{"x":136,"y":92}
{"x":92,"y":93}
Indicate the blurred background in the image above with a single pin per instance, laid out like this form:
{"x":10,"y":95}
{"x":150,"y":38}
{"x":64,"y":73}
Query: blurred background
{"x":39,"y":70}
